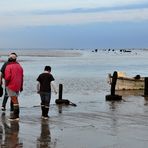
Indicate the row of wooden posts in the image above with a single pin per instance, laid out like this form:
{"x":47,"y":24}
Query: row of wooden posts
{"x":110,"y":97}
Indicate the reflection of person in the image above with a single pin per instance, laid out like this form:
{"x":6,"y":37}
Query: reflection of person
{"x":2,"y":75}
{"x":13,"y":76}
{"x":44,"y":141}
{"x":45,"y":81}
{"x":10,"y":133}
{"x":1,"y":134}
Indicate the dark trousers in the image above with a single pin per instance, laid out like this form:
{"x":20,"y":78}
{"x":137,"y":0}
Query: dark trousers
{"x":45,"y":102}
{"x":5,"y":99}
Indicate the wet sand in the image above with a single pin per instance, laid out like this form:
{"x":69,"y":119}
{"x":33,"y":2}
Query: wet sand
{"x":93,"y":123}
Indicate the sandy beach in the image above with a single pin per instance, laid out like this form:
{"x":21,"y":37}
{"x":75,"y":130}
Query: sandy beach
{"x":94,"y":122}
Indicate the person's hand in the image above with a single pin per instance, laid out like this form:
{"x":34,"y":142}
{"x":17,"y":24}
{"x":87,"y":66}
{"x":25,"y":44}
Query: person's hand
{"x":55,"y":92}
{"x":21,"y":89}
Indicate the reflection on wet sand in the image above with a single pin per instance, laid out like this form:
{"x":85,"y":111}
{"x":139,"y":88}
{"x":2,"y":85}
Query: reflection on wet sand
{"x":113,"y":105}
{"x":44,"y":141}
{"x":114,"y":118}
{"x":59,"y":108}
{"x":9,"y":133}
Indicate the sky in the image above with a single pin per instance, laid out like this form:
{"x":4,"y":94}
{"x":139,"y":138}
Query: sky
{"x":74,"y":24}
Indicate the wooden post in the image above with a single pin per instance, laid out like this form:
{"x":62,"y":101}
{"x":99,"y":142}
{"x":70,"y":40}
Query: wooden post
{"x":60,"y":91}
{"x":146,"y":86}
{"x":63,"y":101}
{"x":113,"y":96}
{"x":113,"y":84}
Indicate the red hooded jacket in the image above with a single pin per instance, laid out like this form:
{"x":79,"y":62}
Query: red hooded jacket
{"x":14,"y":76}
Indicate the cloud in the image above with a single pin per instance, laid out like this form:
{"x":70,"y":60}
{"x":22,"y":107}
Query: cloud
{"x":44,"y":13}
{"x":31,"y":5}
{"x":74,"y":18}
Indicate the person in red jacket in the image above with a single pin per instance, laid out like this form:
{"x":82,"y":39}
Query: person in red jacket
{"x":14,"y":83}
{"x":5,"y":99}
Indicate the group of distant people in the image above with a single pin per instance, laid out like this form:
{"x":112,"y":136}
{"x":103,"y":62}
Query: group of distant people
{"x":13,"y":75}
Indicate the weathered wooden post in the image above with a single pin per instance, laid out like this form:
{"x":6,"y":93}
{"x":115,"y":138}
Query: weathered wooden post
{"x":60,"y":91}
{"x":146,"y":86}
{"x":113,"y":84}
{"x":112,"y":96}
{"x":63,"y":101}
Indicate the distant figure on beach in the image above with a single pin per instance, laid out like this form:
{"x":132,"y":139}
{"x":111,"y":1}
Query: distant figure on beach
{"x":45,"y":82}
{"x":13,"y":76}
{"x":2,"y":75}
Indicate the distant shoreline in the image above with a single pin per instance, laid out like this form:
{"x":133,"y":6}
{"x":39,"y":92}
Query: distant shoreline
{"x":42,"y":52}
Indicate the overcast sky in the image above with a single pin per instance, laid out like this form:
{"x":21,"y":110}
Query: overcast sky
{"x":74,"y":24}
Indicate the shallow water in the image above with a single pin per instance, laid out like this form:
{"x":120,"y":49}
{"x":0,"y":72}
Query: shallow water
{"x":94,"y":123}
